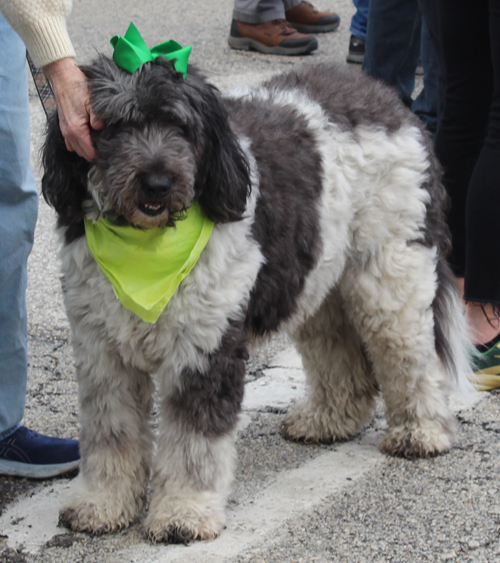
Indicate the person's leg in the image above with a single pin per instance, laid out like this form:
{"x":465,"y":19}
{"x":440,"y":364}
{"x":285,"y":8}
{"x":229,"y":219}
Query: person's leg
{"x":430,"y":15}
{"x":22,"y":452}
{"x":427,"y":106}
{"x":482,"y":268}
{"x":258,"y":11}
{"x":393,"y":44}
{"x":18,"y":212}
{"x":470,"y":41}
{"x":469,"y":87}
{"x":359,"y":21}
{"x":359,"y":24}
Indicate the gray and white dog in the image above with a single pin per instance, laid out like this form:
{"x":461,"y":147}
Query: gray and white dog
{"x":328,"y":212}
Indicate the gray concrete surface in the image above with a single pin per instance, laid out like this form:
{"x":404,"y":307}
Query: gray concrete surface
{"x":291,"y":502}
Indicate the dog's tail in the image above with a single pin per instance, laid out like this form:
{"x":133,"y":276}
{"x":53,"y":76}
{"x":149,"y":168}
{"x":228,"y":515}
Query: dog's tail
{"x":453,"y":344}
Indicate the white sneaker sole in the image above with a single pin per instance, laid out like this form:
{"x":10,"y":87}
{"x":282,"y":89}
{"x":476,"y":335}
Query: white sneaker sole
{"x":34,"y":471}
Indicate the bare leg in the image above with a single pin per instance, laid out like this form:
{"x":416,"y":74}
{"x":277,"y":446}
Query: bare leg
{"x":482,"y":318}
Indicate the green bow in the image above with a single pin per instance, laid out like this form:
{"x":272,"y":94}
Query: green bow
{"x":130,"y":52}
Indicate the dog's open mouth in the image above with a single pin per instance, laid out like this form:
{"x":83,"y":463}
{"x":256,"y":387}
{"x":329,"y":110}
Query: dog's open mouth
{"x":152,"y":209}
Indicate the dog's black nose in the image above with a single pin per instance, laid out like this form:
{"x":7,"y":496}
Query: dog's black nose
{"x":156,"y":185}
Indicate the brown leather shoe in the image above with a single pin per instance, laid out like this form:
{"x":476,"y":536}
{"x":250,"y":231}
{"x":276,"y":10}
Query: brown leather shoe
{"x":307,"y":19}
{"x":276,"y":37}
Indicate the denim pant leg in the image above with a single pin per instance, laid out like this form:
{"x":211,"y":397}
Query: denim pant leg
{"x":18,"y":212}
{"x":393,"y":44}
{"x":359,"y":21}
{"x":432,"y":46}
{"x":427,"y":105}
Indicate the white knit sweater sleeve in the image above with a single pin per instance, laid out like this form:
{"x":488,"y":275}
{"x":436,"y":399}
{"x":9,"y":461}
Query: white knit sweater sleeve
{"x":41,"y":24}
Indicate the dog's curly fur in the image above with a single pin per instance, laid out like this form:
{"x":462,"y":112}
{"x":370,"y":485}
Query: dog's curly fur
{"x":328,"y":212}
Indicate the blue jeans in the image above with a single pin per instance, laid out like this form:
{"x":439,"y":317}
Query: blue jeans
{"x":396,"y":39}
{"x":428,"y":104}
{"x":18,"y":213}
{"x":359,"y":21}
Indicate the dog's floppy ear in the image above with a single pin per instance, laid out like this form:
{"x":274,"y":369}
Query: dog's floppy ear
{"x":223,"y":177}
{"x":65,"y":176}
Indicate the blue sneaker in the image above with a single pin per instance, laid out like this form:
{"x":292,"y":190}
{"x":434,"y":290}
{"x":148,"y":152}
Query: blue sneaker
{"x":26,"y":453}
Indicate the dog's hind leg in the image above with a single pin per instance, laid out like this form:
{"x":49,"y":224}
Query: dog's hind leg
{"x":340,"y":383}
{"x":116,"y":441}
{"x":193,"y":469}
{"x":390,"y":300}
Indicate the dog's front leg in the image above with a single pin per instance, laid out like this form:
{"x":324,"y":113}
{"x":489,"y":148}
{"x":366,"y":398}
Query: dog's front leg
{"x":116,"y":441}
{"x":193,"y":469}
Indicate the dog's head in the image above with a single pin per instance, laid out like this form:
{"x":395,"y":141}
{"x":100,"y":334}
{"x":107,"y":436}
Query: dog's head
{"x":167,"y":141}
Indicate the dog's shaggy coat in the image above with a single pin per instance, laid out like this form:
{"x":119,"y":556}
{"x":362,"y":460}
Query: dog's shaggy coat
{"x":328,"y":212}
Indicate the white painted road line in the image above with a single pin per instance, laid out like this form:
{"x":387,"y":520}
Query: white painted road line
{"x":32,"y":521}
{"x":292,"y":494}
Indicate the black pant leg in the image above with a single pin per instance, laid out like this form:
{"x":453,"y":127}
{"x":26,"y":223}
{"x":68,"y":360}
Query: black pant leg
{"x":465,"y":47}
{"x":482,"y":272}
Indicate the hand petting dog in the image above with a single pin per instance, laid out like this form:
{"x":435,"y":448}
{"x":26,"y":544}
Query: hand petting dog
{"x":76,"y":116}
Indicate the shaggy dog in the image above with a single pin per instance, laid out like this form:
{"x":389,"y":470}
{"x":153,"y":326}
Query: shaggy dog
{"x":328,"y":212}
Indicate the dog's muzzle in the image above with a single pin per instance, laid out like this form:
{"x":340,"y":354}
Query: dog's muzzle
{"x":155,"y":188}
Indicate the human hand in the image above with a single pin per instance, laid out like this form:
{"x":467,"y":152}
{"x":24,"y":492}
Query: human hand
{"x":73,"y":104}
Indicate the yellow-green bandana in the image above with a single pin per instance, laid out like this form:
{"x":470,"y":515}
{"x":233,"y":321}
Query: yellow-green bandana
{"x":146,"y":266}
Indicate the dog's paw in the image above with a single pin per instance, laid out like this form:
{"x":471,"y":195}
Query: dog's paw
{"x":419,"y":441}
{"x":182,"y":532}
{"x":183,"y":521}
{"x":316,"y":426}
{"x":97,"y":518}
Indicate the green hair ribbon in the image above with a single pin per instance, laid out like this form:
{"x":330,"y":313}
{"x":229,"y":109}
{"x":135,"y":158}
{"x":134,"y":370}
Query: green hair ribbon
{"x":131,"y":51}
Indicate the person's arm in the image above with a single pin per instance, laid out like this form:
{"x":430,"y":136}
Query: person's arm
{"x":41,"y":24}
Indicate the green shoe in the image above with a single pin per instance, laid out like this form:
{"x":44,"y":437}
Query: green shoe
{"x":487,"y":368}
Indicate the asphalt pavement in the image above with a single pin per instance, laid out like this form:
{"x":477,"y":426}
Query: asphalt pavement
{"x":291,"y":502}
